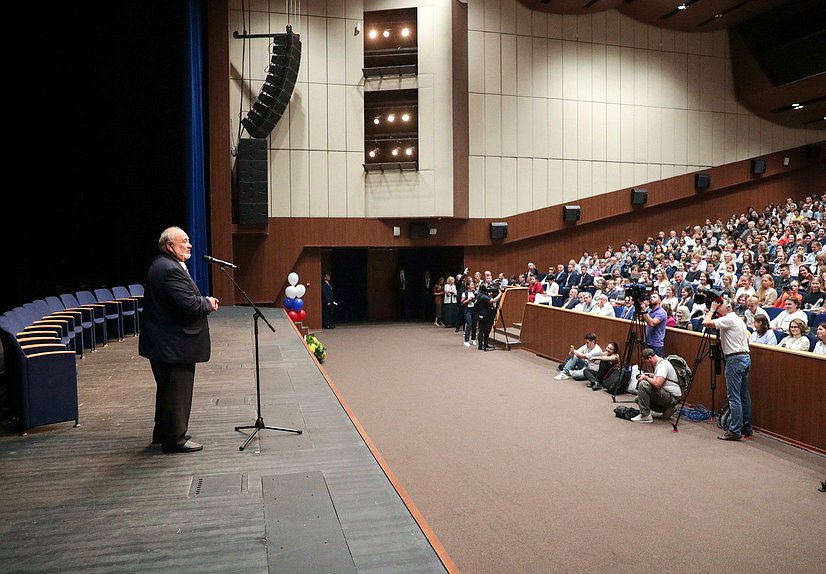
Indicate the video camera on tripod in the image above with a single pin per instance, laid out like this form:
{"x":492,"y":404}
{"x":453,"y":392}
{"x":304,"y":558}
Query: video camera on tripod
{"x":638,"y":292}
{"x":708,"y":296}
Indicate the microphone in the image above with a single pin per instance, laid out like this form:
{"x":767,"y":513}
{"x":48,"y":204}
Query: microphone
{"x":220,"y":262}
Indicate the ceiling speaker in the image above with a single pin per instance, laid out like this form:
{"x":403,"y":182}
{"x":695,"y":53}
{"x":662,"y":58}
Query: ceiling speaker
{"x":758,"y":166}
{"x":702,"y":180}
{"x":419,"y":230}
{"x":498,"y":229}
{"x":570,"y":213}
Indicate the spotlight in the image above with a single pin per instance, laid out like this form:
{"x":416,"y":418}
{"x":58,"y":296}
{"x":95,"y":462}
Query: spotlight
{"x":405,"y":32}
{"x":377,"y":120}
{"x":391,"y":118}
{"x":386,"y":33}
{"x":373,"y":152}
{"x":373,"y":34}
{"x":395,"y":151}
{"x":405,"y":117}
{"x":408,"y":151}
{"x":682,"y":7}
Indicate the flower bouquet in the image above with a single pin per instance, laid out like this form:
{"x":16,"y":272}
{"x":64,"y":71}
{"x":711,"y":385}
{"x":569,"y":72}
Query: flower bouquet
{"x":319,"y":350}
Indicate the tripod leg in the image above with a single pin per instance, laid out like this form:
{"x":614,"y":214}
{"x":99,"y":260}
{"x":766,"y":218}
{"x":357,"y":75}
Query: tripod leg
{"x":249,"y":438}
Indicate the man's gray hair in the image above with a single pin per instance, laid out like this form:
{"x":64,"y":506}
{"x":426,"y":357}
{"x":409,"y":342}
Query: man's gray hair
{"x":167,"y":236}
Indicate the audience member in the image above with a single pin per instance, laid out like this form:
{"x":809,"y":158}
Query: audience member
{"x":607,"y":361}
{"x":602,"y":307}
{"x":762,"y":334}
{"x":682,"y":316}
{"x":781,"y":322}
{"x":580,"y":359}
{"x":820,"y":346}
{"x":796,"y":340}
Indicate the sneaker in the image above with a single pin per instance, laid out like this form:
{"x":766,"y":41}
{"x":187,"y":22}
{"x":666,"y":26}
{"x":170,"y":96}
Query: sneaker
{"x":562,"y":376}
{"x":467,"y":344}
{"x":473,"y":342}
{"x":728,"y":435}
{"x":640,"y":418}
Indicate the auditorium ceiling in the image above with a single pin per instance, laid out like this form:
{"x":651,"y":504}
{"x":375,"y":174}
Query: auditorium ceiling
{"x":778,"y":47}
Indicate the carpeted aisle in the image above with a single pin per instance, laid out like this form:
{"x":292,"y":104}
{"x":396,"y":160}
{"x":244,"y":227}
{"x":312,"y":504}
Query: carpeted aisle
{"x":516,"y":472}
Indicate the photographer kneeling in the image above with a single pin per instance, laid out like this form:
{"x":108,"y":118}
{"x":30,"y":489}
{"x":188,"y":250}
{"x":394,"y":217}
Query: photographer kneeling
{"x":658,"y":389}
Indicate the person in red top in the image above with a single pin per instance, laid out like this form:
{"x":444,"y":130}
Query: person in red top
{"x":534,"y":288}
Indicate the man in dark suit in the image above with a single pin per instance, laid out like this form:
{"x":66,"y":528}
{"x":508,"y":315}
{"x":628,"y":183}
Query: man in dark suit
{"x":327,"y":303}
{"x":585,"y":279}
{"x":572,"y":279}
{"x":174,"y":336}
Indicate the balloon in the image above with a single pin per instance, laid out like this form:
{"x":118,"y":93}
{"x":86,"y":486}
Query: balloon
{"x":288,"y":302}
{"x":291,"y":292}
{"x":292,"y":278}
{"x":298,"y":304}
{"x":293,"y":315}
{"x":300,"y":290}
{"x":302,"y":315}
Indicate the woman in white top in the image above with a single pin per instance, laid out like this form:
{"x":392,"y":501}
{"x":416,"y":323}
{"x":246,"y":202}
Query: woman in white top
{"x":820,"y":346}
{"x":450,"y":308}
{"x":661,"y":283}
{"x":670,"y":297}
{"x":796,"y":340}
{"x":762,"y":333}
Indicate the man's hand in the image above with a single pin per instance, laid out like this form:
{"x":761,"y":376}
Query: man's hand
{"x":214,"y":302}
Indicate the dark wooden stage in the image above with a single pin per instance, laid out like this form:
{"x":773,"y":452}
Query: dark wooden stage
{"x":98,"y":499}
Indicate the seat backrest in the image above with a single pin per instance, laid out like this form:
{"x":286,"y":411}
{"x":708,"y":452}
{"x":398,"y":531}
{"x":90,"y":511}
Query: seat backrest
{"x":773,"y":312}
{"x":86,"y":298}
{"x":35,"y":312}
{"x":618,"y":310}
{"x":102,"y":294}
{"x":819,"y":318}
{"x":697,"y":323}
{"x":55,"y":304}
{"x":42,"y":307}
{"x":69,"y":300}
{"x":779,"y":334}
{"x":812,"y":342}
{"x":121,"y":292}
{"x":136,"y":289}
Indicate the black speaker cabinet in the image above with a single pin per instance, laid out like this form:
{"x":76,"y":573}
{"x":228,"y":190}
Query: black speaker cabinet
{"x":758,"y":166}
{"x":419,"y":230}
{"x":498,"y":229}
{"x":702,"y":180}
{"x":278,"y":88}
{"x":639,"y":197}
{"x":251,"y":191}
{"x":570,"y":213}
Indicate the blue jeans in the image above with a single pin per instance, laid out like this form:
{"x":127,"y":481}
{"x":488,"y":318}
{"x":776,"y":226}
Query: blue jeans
{"x":739,"y":399}
{"x":659,"y":351}
{"x":574,"y":363}
{"x":470,"y":323}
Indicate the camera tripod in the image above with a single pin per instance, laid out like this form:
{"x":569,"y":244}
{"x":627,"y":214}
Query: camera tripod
{"x":500,"y":316}
{"x":708,"y":348}
{"x":635,"y":341}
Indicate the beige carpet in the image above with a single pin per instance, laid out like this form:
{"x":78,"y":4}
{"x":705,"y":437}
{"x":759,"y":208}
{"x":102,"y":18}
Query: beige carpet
{"x":515,"y":472}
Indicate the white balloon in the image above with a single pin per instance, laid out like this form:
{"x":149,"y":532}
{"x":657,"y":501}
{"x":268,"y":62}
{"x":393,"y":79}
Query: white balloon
{"x":292,"y":278}
{"x":291,"y":292}
{"x":300,"y":290}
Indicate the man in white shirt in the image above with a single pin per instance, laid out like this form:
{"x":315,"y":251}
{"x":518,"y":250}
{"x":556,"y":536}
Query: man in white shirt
{"x":753,"y":309}
{"x":581,"y":359}
{"x":658,"y":388}
{"x":792,"y":312}
{"x":734,"y":341}
{"x":602,"y":307}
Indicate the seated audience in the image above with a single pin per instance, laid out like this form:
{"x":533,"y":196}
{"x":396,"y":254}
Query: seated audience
{"x":602,"y":307}
{"x":793,"y":290}
{"x":670,"y":321}
{"x":796,"y":340}
{"x":586,"y":302}
{"x":762,"y":333}
{"x":753,"y":310}
{"x":814,"y":300}
{"x":534,"y":288}
{"x":572,"y":300}
{"x":682,"y":316}
{"x":766,"y":294}
{"x":580,"y":359}
{"x":782,"y":321}
{"x":820,"y":346}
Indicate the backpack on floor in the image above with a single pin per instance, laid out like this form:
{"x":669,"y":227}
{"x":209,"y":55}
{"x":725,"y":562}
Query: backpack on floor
{"x":616,"y":381}
{"x":683,"y":372}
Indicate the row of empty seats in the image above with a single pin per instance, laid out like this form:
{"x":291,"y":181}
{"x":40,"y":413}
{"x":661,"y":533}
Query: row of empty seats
{"x":43,"y":339}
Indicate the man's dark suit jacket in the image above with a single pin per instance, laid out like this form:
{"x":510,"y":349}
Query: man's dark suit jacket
{"x":586,"y":280}
{"x":326,"y":293}
{"x":174,"y":326}
{"x":572,"y":280}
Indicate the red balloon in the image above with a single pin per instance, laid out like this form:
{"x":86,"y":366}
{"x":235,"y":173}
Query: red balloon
{"x":302,"y":315}
{"x":293,"y":315}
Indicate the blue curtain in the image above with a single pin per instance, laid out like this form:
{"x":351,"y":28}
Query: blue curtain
{"x":196,"y":179}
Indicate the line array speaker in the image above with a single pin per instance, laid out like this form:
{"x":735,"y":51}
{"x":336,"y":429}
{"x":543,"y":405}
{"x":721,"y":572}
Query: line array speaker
{"x":252,"y":198}
{"x":278,"y":87}
{"x":639,"y":196}
{"x":498,"y":229}
{"x":702,"y":180}
{"x":570,"y":213}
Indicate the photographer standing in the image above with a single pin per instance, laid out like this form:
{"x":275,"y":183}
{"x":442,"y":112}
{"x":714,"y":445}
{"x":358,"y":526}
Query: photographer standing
{"x":655,"y":317}
{"x":734,"y":340}
{"x":489,"y":293}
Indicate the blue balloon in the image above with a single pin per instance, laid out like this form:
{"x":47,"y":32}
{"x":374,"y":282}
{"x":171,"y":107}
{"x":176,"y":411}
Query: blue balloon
{"x":298,"y":304}
{"x":288,"y":303}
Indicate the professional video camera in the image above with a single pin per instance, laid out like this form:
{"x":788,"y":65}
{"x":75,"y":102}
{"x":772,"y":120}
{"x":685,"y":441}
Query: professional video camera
{"x":638,"y":292}
{"x":708,"y":296}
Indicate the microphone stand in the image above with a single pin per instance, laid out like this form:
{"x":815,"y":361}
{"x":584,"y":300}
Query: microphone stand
{"x":259,"y":422}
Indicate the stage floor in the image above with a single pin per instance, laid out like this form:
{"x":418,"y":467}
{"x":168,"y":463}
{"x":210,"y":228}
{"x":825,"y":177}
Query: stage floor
{"x":97,"y":499}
